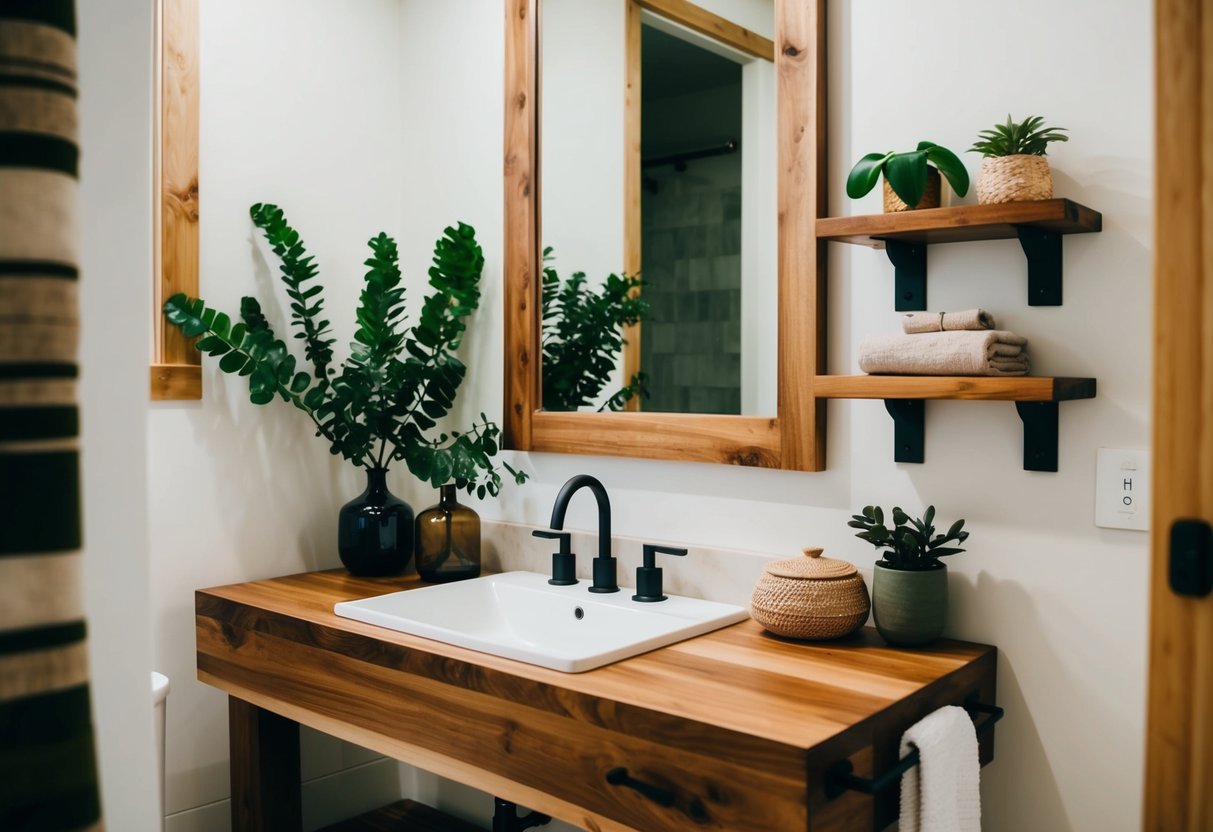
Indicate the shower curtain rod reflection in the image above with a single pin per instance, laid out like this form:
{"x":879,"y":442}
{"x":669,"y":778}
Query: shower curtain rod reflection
{"x":679,"y":160}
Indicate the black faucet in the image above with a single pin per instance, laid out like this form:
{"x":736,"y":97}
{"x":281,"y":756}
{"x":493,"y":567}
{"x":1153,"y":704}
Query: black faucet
{"x":604,"y":564}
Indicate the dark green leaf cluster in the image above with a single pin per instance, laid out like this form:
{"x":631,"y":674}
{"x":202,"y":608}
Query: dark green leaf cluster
{"x":911,"y":544}
{"x":1029,"y":137}
{"x":397,"y":382}
{"x":907,"y":172}
{"x":582,"y":338}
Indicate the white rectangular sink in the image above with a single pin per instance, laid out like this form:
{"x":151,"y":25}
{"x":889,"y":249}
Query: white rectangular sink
{"x":518,"y":615}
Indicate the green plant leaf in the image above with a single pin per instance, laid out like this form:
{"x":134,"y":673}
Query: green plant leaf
{"x":866,"y":173}
{"x":907,"y":176}
{"x":951,"y":167}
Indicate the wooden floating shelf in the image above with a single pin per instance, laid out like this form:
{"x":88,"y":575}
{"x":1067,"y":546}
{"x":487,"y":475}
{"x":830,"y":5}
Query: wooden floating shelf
{"x":1036,"y":401}
{"x":961,"y":223}
{"x":972,"y":388}
{"x":905,"y":236}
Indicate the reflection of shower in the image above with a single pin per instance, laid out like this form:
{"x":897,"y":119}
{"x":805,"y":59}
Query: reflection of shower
{"x":679,"y":160}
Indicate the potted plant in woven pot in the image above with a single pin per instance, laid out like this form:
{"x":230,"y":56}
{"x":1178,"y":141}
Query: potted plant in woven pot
{"x":1014,"y":167}
{"x":911,"y":179}
{"x":380,"y":404}
{"x":910,"y":582}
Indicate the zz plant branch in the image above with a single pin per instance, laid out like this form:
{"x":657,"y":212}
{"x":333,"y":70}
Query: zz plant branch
{"x":397,"y":382}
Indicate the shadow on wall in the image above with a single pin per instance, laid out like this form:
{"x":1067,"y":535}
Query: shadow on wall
{"x":1076,"y":709}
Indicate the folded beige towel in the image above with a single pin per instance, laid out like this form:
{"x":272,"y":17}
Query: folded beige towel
{"x":974,"y":319}
{"x":989,"y":353}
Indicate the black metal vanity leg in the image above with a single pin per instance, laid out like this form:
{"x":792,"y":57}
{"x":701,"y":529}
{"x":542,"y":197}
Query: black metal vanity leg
{"x":265,"y":769}
{"x":1039,"y":435}
{"x":909,"y":428}
{"x":1043,"y":250}
{"x":910,"y":274}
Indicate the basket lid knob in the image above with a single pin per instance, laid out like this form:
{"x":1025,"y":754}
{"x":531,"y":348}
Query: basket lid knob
{"x":813,"y":552}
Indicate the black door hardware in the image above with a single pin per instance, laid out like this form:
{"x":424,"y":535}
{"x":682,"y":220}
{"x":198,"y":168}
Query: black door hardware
{"x":1191,"y":567}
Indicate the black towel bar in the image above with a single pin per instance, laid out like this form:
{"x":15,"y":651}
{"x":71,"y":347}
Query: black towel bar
{"x":839,"y":778}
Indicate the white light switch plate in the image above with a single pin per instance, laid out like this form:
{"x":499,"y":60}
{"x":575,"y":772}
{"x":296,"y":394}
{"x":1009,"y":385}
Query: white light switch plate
{"x":1122,"y":489}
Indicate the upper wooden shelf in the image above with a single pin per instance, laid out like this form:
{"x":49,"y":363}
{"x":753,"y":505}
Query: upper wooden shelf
{"x":905,"y":237}
{"x":973,"y":388}
{"x":961,"y":223}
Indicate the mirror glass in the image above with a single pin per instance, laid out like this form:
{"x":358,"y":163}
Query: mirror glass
{"x":658,"y":211}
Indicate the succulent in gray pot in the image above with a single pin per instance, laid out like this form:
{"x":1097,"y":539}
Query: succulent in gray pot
{"x":380,"y":405}
{"x":910,"y":582}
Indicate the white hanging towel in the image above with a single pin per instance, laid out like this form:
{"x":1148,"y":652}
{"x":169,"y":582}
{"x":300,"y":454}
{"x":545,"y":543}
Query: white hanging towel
{"x":941,"y":793}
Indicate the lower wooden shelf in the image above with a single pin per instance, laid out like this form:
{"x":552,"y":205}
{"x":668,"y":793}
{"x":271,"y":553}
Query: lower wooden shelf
{"x":1036,"y":401}
{"x":403,"y":816}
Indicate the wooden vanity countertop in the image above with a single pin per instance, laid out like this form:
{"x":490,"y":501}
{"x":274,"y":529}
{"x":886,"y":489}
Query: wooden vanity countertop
{"x":739,"y":679}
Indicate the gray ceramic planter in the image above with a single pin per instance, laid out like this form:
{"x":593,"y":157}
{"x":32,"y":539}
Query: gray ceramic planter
{"x":911,"y":608}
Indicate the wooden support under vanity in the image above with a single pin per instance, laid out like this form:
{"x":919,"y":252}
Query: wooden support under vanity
{"x":740,"y":726}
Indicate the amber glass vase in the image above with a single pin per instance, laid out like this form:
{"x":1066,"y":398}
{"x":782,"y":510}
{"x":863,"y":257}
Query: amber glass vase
{"x":448,"y":540}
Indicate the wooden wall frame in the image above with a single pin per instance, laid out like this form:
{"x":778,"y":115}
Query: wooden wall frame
{"x":795,"y":438}
{"x":176,"y":370}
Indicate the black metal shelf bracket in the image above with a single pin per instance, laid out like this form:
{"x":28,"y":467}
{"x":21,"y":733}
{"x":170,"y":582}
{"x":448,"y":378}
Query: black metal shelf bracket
{"x":1039,"y":435}
{"x":909,"y":274}
{"x":1043,"y":250}
{"x":840,"y":777}
{"x":909,"y":429}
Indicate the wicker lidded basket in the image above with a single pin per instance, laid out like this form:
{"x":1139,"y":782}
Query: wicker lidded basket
{"x":811,"y":598}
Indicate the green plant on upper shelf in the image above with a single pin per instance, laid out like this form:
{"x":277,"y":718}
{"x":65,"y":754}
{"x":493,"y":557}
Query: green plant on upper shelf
{"x":906,"y":172}
{"x":582,"y":338}
{"x":909,"y":545}
{"x":395,"y":384}
{"x":1027,"y":138}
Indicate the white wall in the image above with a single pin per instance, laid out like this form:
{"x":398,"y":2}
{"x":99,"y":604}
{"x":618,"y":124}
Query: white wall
{"x":116,"y":246}
{"x":299,"y":108}
{"x":238,"y":492}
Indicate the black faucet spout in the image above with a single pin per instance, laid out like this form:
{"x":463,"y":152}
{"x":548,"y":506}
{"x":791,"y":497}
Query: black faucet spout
{"x":604,"y":564}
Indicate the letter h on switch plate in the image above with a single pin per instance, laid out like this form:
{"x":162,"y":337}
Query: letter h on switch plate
{"x":1122,"y":489}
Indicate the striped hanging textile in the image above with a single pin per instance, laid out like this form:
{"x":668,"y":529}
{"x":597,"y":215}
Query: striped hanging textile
{"x":48,"y":776}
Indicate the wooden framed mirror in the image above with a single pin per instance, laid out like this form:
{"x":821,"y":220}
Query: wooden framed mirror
{"x":794,"y":437}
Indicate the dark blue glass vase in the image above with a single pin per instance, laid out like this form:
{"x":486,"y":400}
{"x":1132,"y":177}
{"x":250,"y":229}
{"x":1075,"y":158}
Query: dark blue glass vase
{"x":375,"y":530}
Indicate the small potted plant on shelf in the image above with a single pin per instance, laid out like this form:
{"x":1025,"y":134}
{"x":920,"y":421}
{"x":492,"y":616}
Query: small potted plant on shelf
{"x":911,"y":179}
{"x":1014,"y":167}
{"x":384,"y":399}
{"x":910,"y":582}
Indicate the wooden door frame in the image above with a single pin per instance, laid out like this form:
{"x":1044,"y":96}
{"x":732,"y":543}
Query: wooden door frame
{"x":1179,"y":732}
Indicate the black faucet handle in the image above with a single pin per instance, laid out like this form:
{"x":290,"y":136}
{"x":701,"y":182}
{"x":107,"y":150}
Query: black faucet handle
{"x":651,"y":550}
{"x":565,"y":538}
{"x":564,"y":566}
{"x":648,"y":576}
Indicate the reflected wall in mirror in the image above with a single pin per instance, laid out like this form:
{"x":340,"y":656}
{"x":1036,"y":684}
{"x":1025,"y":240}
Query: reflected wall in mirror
{"x":593,"y":196}
{"x":658,"y":126}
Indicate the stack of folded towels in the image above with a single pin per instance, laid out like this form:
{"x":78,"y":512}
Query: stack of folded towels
{"x":946,"y":344}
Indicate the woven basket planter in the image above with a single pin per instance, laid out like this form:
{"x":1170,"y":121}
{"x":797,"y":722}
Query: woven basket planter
{"x":1017,"y":178}
{"x":811,"y":598}
{"x":930,"y":197}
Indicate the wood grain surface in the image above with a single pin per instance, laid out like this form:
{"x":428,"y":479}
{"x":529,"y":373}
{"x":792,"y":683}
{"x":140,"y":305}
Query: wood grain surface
{"x":739,"y":725}
{"x":961,"y":223}
{"x":1179,"y":731}
{"x":713,"y":25}
{"x":1011,"y":389}
{"x":176,"y":238}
